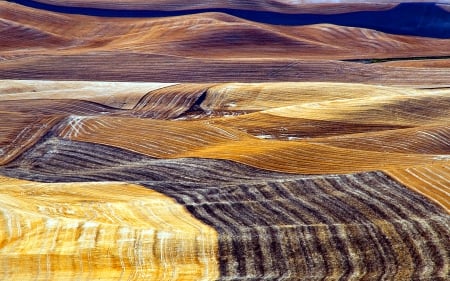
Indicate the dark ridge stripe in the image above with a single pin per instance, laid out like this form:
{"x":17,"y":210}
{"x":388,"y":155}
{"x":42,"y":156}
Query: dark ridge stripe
{"x":68,"y":157}
{"x":274,"y":226}
{"x":419,"y":19}
{"x":396,"y":215}
{"x":343,"y":210}
{"x":442,"y":235}
{"x":328,"y":208}
{"x":60,"y":160}
{"x":324,"y":219}
{"x":368,"y":238}
{"x":421,"y":258}
{"x":401,"y":216}
{"x":356,"y":215}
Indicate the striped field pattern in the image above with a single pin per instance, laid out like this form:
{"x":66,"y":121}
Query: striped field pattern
{"x":224,"y":140}
{"x":274,"y":225}
{"x":342,"y":196}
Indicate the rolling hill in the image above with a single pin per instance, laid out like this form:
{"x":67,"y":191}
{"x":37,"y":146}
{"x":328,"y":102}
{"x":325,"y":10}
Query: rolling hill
{"x":224,"y":140}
